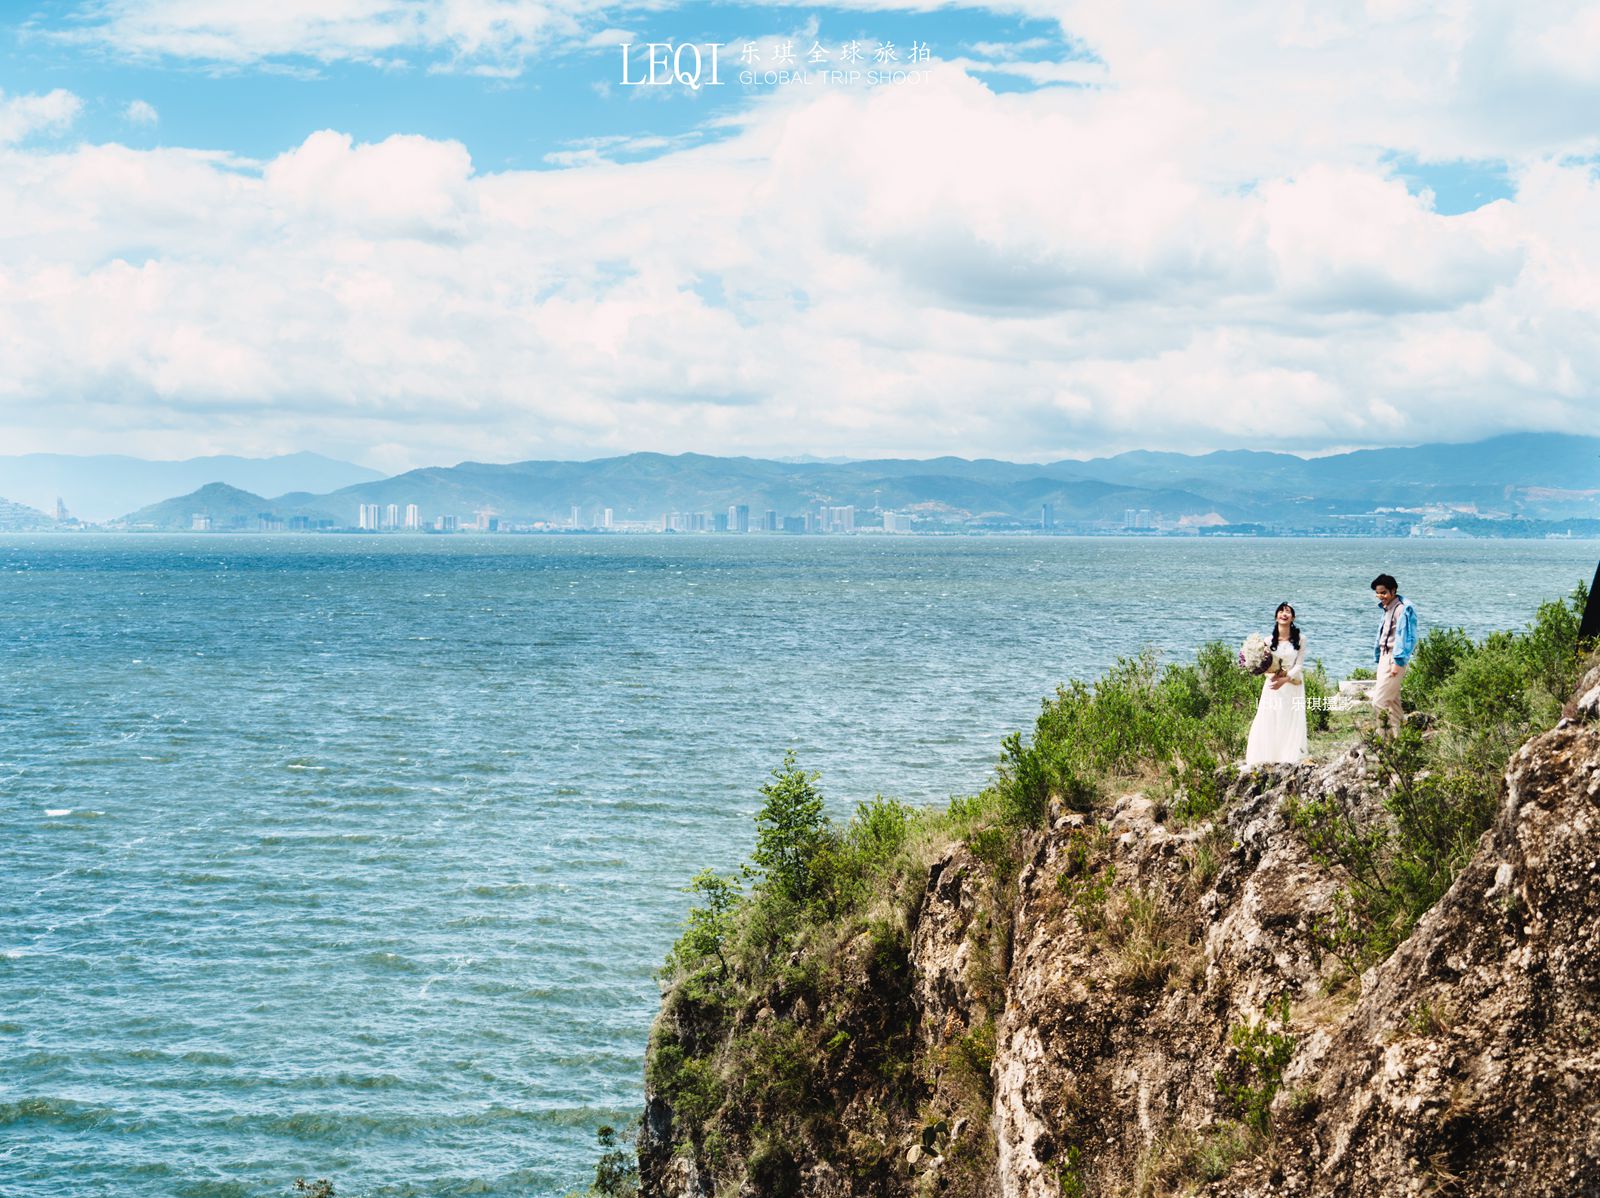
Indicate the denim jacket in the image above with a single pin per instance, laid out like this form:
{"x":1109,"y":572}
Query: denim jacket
{"x":1405,"y":633}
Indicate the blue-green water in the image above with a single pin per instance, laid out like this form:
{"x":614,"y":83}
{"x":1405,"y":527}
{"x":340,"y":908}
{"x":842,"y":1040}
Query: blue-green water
{"x":353,"y":857}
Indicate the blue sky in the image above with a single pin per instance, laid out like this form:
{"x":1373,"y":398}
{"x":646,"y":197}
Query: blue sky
{"x":565,"y":95}
{"x":407,"y":231}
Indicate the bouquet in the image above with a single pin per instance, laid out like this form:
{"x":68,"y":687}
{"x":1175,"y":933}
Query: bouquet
{"x":1255,"y":655}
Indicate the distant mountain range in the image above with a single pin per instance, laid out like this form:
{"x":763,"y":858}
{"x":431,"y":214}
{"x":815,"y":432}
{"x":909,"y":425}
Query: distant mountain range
{"x":1526,"y":481}
{"x":104,"y":486}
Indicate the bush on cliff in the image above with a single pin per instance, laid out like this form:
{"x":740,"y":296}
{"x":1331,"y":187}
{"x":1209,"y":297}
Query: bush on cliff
{"x":1441,"y":792}
{"x":1182,"y":720}
{"x":745,"y":1059}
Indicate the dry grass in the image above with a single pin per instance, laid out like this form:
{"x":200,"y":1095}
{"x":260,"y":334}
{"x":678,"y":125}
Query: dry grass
{"x":1139,"y":930}
{"x":1183,"y":1162}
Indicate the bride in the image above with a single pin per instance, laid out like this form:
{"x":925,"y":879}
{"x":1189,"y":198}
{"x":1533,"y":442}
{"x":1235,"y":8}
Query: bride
{"x":1278,"y":733}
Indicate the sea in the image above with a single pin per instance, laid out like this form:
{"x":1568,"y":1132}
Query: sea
{"x":354,"y":857}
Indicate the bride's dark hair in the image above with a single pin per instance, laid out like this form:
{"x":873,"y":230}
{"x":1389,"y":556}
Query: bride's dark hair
{"x":1294,"y":629}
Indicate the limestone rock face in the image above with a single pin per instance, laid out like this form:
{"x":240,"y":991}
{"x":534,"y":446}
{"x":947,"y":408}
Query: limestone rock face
{"x":1471,"y":1064}
{"x":1143,"y":956}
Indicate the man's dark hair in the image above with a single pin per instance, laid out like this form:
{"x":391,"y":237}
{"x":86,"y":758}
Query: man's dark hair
{"x":1386,"y":580}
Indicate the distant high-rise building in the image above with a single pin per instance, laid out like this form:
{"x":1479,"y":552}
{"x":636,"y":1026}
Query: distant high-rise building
{"x":896,"y":522}
{"x":367,"y":517}
{"x":200,"y":522}
{"x":61,"y":511}
{"x":575,"y":517}
{"x":607,"y":519}
{"x":739,"y":518}
{"x":446,"y":523}
{"x":391,"y":516}
{"x":413,"y":516}
{"x":1047,"y":517}
{"x":769,"y":522}
{"x":797,"y":523}
{"x":722,"y":523}
{"x":839,"y":519}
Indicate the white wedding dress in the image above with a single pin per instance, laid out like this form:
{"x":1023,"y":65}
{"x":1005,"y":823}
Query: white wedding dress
{"x":1278,"y":733}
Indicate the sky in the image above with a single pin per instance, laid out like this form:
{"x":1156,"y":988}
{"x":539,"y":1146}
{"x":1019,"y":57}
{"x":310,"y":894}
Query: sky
{"x":415,"y":232}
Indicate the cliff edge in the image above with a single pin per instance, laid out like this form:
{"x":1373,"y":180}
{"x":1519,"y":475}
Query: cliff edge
{"x":1128,"y":998}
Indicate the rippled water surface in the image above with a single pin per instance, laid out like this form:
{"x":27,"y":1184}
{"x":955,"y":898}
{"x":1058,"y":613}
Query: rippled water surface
{"x":353,"y":857}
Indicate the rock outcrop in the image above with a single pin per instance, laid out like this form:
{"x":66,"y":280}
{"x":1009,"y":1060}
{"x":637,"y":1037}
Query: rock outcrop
{"x":1158,"y":1013}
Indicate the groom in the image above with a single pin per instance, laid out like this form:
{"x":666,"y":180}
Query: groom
{"x":1397,"y":640}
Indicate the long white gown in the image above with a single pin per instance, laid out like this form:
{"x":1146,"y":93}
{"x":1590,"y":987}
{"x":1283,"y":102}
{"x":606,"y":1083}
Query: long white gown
{"x":1278,"y":733}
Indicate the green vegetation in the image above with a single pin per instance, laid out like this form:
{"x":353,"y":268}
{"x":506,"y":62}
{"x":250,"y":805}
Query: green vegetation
{"x":746,"y":1057}
{"x":1184,"y":720}
{"x":1256,"y":1072}
{"x":1440,"y":789}
{"x":616,"y":1173}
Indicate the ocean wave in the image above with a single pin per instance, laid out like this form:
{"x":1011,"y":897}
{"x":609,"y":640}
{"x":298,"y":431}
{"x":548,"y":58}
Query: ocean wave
{"x":61,"y":1112}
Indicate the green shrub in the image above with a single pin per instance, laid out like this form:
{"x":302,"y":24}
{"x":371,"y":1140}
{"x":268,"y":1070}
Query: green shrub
{"x":1068,"y":1178}
{"x":1195,"y":786}
{"x":1398,"y":868}
{"x":969,"y":1060}
{"x":848,"y":870}
{"x":1260,"y":1057}
{"x":1319,"y":688}
{"x":688,"y":1083}
{"x":1187,"y":716}
{"x":706,"y":929}
{"x":774,"y":1064}
{"x":1439,"y":654}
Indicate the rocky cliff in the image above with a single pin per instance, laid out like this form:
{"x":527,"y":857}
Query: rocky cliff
{"x":1140,"y":1005}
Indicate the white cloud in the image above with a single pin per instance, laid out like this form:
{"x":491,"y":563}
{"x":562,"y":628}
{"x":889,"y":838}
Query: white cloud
{"x":23,"y":116}
{"x":140,"y":112}
{"x":1207,"y":250}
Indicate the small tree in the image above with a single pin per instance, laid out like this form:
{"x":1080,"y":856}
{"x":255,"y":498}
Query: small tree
{"x":616,"y":1174}
{"x":705,"y":931}
{"x":791,"y":830}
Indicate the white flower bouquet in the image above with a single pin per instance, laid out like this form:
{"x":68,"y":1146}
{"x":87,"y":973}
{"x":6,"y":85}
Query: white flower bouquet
{"x":1255,"y":655}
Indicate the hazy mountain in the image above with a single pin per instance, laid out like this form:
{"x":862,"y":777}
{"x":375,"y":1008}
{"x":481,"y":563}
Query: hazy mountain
{"x":18,"y":517}
{"x":226,"y":507}
{"x":1529,"y":477}
{"x":105,"y":486}
{"x":1495,"y":471}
